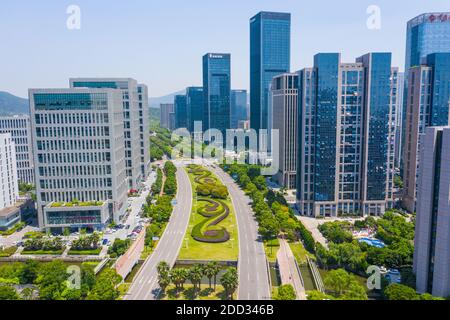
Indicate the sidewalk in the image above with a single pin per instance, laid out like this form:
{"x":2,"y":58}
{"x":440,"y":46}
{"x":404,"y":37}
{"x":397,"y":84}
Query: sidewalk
{"x":288,"y":269}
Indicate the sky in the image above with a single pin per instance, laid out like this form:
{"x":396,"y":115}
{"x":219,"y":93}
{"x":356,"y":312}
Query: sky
{"x":161,"y":42}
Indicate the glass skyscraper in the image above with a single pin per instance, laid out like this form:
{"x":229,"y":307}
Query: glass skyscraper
{"x":270,"y":47}
{"x":181,"y":114}
{"x":195,"y":106}
{"x":217,"y":90}
{"x":238,"y":107}
{"x":346,"y":135}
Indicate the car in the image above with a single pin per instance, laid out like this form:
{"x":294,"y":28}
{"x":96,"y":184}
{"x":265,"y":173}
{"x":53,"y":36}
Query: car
{"x":127,"y":227}
{"x":105,"y":242}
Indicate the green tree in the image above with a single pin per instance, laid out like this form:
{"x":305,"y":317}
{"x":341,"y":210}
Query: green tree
{"x":163,"y":275}
{"x":230,"y":282}
{"x":343,"y":285}
{"x":286,"y":292}
{"x":51,"y":280}
{"x":400,"y":292}
{"x":196,"y":275}
{"x":29,"y":272}
{"x":105,"y":287}
{"x":317,"y":295}
{"x":7,"y":292}
{"x":211,"y":271}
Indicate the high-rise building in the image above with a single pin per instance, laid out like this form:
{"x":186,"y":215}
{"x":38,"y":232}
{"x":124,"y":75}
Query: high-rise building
{"x":217,"y":90}
{"x":238,"y":107}
{"x":181,"y":113}
{"x":426,"y":34}
{"x":270,"y":55}
{"x":195,"y":105}
{"x":428,"y":102}
{"x":20,"y":129}
{"x":79,"y":156}
{"x":432,"y":235}
{"x":144,"y":130}
{"x":399,"y":118}
{"x":285,"y":116}
{"x":346,"y":136}
{"x":164,"y":118}
{"x":133,"y":121}
{"x":9,"y":187}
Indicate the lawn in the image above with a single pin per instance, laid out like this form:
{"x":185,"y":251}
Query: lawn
{"x":195,"y":250}
{"x":43,"y":252}
{"x":300,"y":253}
{"x":271,"y":247}
{"x":94,"y":252}
{"x":188,"y":293}
{"x":7,"y":252}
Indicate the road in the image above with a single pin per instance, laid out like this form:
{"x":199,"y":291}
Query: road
{"x":289,"y":271}
{"x":145,"y":284}
{"x":252,"y":267}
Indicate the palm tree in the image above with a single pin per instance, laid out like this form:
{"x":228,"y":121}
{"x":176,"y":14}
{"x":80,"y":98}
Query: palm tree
{"x":196,"y":275}
{"x":177,"y":277}
{"x":230,"y":282}
{"x":163,"y":275}
{"x":212,"y":269}
{"x":184,"y":274}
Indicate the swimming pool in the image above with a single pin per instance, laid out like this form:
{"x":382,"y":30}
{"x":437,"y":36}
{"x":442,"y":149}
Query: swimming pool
{"x":373,"y":242}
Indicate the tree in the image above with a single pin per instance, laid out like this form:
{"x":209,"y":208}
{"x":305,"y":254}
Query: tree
{"x":163,"y":275}
{"x":211,"y":271}
{"x":7,"y":292}
{"x":286,"y":292}
{"x":230,"y":282}
{"x":317,"y":295}
{"x":105,"y":287}
{"x":400,"y":292}
{"x":196,"y":275}
{"x":343,"y":285}
{"x":52,"y":280}
{"x":29,"y":272}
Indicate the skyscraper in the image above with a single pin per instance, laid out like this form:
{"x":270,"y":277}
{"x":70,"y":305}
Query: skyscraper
{"x":217,"y":90}
{"x":428,"y":102}
{"x":144,"y":130}
{"x":426,"y":34}
{"x":195,"y":106}
{"x":399,"y":119}
{"x":9,"y":188}
{"x":270,"y":55}
{"x":346,"y":136}
{"x":432,"y":236}
{"x":164,"y":117}
{"x":79,"y":156}
{"x":238,"y":107}
{"x":181,"y":114}
{"x":134,"y":119}
{"x":20,"y":129}
{"x":285,"y":115}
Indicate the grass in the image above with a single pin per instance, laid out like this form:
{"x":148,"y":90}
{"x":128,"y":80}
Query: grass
{"x":300,"y":253}
{"x":7,"y":252}
{"x":188,"y":293}
{"x":271,"y":247}
{"x":19,"y":226}
{"x":195,"y":250}
{"x":43,"y":252}
{"x":94,"y":252}
{"x":123,"y":289}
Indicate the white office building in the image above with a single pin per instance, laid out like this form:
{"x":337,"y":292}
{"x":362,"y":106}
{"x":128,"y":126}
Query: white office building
{"x":20,"y":129}
{"x":79,"y":156}
{"x":9,"y":189}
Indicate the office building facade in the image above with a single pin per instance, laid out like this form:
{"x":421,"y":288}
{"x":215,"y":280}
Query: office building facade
{"x":195,"y":105}
{"x":79,"y":156}
{"x":432,"y":235}
{"x":239,"y":110}
{"x":285,"y":115}
{"x":270,"y":46}
{"x":346,"y":136}
{"x":181,"y":113}
{"x":9,"y":187}
{"x":165,"y":115}
{"x":20,"y":129}
{"x":217,"y":91}
{"x":132,"y":122}
{"x":399,"y":118}
{"x":144,"y":130}
{"x":428,"y":102}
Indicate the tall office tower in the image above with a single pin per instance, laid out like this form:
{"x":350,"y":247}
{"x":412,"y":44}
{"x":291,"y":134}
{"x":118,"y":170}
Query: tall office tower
{"x":20,"y":129}
{"x":195,"y":106}
{"x":270,"y":55}
{"x":79,"y":156}
{"x":432,"y":236}
{"x":164,"y":118}
{"x":399,"y":118}
{"x":181,"y":113}
{"x":285,"y":116}
{"x":144,"y":130}
{"x":346,"y":134}
{"x":428,"y":101}
{"x":9,"y":188}
{"x":132,"y":120}
{"x":426,"y":34}
{"x":217,"y":90}
{"x":238,"y":107}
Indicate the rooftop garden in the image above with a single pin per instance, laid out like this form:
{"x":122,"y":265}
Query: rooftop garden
{"x":76,"y":203}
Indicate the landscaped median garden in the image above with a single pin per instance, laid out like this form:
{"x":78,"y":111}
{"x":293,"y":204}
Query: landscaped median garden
{"x":212,"y":233}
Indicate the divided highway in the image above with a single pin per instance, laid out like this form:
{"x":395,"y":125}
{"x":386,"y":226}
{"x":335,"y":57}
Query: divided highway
{"x":145,"y":285}
{"x":254,"y":281}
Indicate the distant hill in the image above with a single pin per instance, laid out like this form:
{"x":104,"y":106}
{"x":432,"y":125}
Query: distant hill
{"x":156,"y":101}
{"x":10,"y":104}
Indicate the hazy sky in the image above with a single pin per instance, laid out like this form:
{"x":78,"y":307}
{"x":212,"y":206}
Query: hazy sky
{"x":161,"y":42}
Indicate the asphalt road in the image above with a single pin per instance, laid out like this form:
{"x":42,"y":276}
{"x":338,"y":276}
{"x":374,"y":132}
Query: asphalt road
{"x":253,"y":274}
{"x":145,"y":284}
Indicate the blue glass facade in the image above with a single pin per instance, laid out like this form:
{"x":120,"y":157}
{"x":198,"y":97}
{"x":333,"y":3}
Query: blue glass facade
{"x":181,"y":114}
{"x":238,"y":107}
{"x":270,"y":46}
{"x":195,"y":106}
{"x":440,"y":87}
{"x":217,"y":90}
